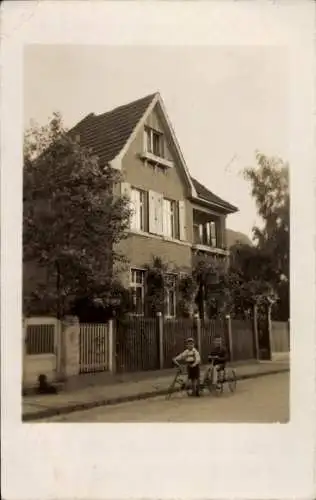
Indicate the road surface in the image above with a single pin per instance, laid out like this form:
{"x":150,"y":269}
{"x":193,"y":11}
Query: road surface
{"x":264,"y":399}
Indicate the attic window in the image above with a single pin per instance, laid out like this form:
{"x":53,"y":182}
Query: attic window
{"x":154,"y":142}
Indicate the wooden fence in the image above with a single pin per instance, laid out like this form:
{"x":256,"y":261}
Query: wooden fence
{"x":137,"y":344}
{"x":243,"y":345}
{"x":175,"y":333}
{"x":94,"y":352}
{"x":209,"y":329}
{"x":280,"y":336}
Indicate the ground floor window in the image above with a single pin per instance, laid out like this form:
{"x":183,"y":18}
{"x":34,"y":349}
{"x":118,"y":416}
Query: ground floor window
{"x":137,"y":288}
{"x":170,"y":302}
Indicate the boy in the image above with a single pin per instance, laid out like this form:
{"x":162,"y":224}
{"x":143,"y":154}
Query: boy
{"x":192,"y":358}
{"x":219,"y":356}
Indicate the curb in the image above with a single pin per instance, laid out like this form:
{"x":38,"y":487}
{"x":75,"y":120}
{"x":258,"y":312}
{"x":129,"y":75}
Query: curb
{"x":63,"y":410}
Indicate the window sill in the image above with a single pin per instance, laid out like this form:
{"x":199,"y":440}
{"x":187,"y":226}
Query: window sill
{"x":150,"y":157}
{"x":158,"y":237}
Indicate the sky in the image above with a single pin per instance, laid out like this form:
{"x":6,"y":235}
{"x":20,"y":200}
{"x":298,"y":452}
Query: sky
{"x":224,"y":102}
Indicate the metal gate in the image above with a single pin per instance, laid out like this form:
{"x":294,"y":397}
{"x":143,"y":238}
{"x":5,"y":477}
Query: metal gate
{"x":41,"y":349}
{"x":94,"y":355}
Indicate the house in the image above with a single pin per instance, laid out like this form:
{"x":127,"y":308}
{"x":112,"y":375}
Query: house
{"x":174,"y":215}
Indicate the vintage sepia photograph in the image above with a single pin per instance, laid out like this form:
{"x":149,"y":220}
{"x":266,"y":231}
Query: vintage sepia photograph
{"x":157,"y":250}
{"x":156,"y":234}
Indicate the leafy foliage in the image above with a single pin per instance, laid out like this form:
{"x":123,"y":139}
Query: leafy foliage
{"x":156,"y":285}
{"x":270,"y":189}
{"x":251,"y":277}
{"x":72,"y":218}
{"x":210,"y":274}
{"x":187,"y":290}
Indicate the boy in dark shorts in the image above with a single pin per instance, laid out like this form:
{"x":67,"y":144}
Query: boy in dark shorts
{"x":192,"y":358}
{"x":219,"y":356}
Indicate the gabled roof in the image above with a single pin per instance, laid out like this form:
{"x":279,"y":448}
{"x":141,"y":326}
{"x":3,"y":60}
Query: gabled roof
{"x":108,"y":133}
{"x":207,"y":195}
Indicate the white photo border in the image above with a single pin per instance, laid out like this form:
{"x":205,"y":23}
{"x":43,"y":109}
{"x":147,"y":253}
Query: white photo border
{"x":83,"y":461}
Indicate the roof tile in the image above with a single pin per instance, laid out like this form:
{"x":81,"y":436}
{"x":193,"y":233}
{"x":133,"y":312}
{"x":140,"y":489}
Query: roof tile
{"x":207,"y":195}
{"x":106,"y":134}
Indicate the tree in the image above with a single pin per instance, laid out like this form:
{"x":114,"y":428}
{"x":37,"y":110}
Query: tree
{"x":72,"y":219}
{"x":250,"y":278}
{"x":210,"y":275}
{"x":270,"y":189}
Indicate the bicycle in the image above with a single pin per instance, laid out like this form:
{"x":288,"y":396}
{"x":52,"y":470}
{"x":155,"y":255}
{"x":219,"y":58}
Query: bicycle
{"x":225,"y":376}
{"x":181,"y":381}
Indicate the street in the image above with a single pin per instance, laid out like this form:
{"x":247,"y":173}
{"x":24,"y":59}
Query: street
{"x":263,"y":399}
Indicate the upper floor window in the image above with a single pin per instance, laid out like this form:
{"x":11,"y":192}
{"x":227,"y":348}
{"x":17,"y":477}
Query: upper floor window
{"x":169,"y":221}
{"x":206,"y":234}
{"x":211,"y":236}
{"x":154,"y":142}
{"x":139,"y":207}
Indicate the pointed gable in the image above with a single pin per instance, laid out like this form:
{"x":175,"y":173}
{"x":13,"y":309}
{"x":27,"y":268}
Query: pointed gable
{"x":107,"y":134}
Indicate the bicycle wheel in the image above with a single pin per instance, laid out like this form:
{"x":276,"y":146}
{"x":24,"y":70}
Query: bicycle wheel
{"x":178,"y":380}
{"x":207,"y":381}
{"x":231,"y":379}
{"x":219,"y":388}
{"x":216,"y":389}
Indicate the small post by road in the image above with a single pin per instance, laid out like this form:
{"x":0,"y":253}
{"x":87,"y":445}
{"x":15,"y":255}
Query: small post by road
{"x":269,"y":328}
{"x":24,"y":350}
{"x":289,"y":333}
{"x":255,"y":331}
{"x":112,"y":345}
{"x":228,"y":327}
{"x":160,"y":340}
{"x":197,"y":320}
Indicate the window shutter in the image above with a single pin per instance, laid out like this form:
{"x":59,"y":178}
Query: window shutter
{"x":165,"y":217}
{"x":145,"y":139}
{"x":126,"y":191}
{"x":155,"y":212}
{"x":135,"y":200}
{"x":152,"y":211}
{"x":159,"y":213}
{"x":182,"y":221}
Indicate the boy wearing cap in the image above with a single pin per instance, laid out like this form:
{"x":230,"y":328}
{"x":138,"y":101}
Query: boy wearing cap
{"x":192,"y":358}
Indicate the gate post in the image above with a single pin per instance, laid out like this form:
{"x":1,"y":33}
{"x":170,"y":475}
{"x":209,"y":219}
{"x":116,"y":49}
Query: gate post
{"x":112,"y":346}
{"x":197,"y":320}
{"x":24,"y":350}
{"x":70,"y":338}
{"x":160,"y":340}
{"x":228,"y":327}
{"x":255,"y":331}
{"x":269,"y":328}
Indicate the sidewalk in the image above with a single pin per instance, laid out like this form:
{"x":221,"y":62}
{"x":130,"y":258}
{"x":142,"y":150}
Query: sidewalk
{"x":128,"y":388}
